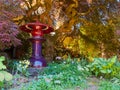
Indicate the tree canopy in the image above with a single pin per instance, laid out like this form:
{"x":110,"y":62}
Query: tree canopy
{"x":85,"y":27}
{"x":9,"y":9}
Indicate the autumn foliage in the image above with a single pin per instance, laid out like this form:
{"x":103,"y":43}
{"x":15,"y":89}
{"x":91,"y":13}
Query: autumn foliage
{"x":85,"y":27}
{"x":9,"y":9}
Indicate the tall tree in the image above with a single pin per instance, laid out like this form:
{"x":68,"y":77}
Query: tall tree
{"x":90,"y":23}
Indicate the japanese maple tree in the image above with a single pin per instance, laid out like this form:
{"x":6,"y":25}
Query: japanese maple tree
{"x":9,"y":9}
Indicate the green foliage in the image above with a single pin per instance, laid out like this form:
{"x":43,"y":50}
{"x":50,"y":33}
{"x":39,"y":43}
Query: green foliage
{"x":18,"y":66}
{"x":105,"y":67}
{"x":72,"y":73}
{"x":115,"y":80}
{"x":107,"y":85}
{"x":2,"y":66}
{"x":67,"y":74}
{"x":4,"y":76}
{"x":22,"y":67}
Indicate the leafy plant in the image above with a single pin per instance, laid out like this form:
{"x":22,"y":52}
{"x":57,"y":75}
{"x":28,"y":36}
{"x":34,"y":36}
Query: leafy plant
{"x":60,"y":76}
{"x":21,"y":67}
{"x":107,"y":85}
{"x":4,"y":75}
{"x":8,"y":29}
{"x":18,"y":66}
{"x":105,"y":67}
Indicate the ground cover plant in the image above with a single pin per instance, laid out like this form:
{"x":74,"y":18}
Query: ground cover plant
{"x":83,"y":28}
{"x":4,"y":75}
{"x":105,"y":67}
{"x":66,"y":74}
{"x":71,"y":74}
{"x":108,"y":85}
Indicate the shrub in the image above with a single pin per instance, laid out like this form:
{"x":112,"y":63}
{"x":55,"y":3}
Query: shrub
{"x":105,"y":67}
{"x":8,"y":29}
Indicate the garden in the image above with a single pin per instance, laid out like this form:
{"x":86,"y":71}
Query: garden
{"x":70,"y":74}
{"x":59,"y":45}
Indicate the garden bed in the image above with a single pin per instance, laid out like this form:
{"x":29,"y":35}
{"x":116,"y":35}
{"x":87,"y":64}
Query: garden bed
{"x":68,"y":75}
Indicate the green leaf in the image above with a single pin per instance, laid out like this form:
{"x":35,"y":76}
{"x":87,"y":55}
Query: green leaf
{"x":1,"y":84}
{"x":103,"y":71}
{"x":96,"y":73}
{"x":1,"y":76}
{"x":2,"y":66}
{"x":2,"y":58}
{"x":7,"y":76}
{"x":109,"y":71}
{"x":113,"y":59}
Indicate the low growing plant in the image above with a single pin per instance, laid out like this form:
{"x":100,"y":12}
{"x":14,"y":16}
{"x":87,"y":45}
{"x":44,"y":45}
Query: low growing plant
{"x":4,"y":75}
{"x":22,"y":67}
{"x":19,"y":67}
{"x":61,"y":76}
{"x":107,"y":68}
{"x":108,"y":85}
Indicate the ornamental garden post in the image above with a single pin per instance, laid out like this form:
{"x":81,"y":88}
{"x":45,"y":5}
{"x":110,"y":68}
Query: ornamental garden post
{"x":37,"y":31}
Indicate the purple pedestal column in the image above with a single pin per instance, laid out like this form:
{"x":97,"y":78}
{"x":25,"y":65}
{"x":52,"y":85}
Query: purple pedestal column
{"x":37,"y":60}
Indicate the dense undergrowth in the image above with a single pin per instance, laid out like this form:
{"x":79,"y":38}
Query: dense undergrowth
{"x":66,"y":74}
{"x":71,"y":73}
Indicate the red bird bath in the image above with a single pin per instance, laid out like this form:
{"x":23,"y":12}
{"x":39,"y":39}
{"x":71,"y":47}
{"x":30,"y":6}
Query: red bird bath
{"x":37,"y":30}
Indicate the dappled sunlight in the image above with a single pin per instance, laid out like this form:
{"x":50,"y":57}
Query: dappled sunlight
{"x":66,"y":45}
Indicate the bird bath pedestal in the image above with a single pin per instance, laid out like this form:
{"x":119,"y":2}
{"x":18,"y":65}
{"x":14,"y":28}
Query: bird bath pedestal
{"x":37,"y":31}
